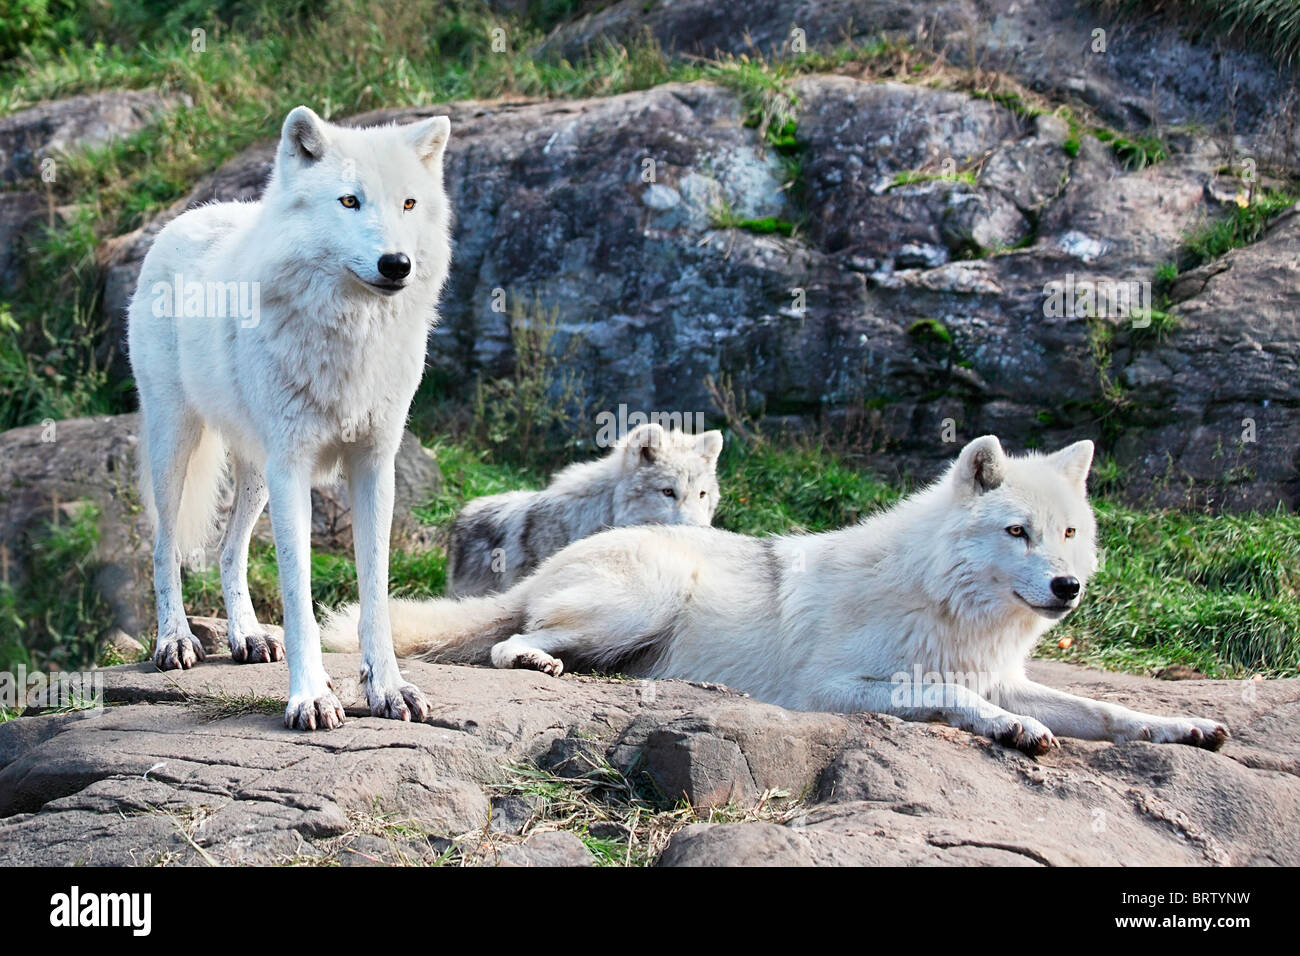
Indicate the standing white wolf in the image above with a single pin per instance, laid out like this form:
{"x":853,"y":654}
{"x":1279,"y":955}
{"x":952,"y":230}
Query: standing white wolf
{"x":652,"y":476}
{"x":337,"y":272}
{"x":927,"y":611}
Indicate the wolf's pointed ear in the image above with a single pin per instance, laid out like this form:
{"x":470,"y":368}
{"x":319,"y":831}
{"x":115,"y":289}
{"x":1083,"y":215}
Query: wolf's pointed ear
{"x":1074,"y":460}
{"x":981,"y":466}
{"x":644,"y":444}
{"x":429,"y":138}
{"x":303,"y":135}
{"x":709,"y":445}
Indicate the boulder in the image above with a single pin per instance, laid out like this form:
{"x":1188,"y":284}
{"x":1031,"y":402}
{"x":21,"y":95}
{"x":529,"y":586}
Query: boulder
{"x":196,"y":767}
{"x":47,"y":468}
{"x":1141,"y":71}
{"x":58,"y":128}
{"x":19,"y":211}
{"x":34,"y":140}
{"x":550,"y":848}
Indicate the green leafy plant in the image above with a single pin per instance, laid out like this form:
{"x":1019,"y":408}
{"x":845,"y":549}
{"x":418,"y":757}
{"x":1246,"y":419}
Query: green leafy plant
{"x":53,"y":615}
{"x":534,"y":411}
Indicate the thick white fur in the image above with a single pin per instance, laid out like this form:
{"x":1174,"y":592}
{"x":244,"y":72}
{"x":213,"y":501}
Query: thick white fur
{"x":652,"y":476}
{"x":319,"y":378}
{"x":927,"y":611}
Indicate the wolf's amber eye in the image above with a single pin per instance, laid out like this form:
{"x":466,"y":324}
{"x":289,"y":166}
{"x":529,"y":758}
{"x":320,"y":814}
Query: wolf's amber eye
{"x":1069,"y":532}
{"x":669,"y":493}
{"x":350,"y":202}
{"x":1016,"y":531}
{"x":408,"y":205}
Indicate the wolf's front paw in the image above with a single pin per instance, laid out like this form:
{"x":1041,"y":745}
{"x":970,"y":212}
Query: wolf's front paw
{"x":1193,"y":731}
{"x":400,"y":701}
{"x":178,"y":649}
{"x":258,"y":647}
{"x":1026,"y":734}
{"x":307,"y":712}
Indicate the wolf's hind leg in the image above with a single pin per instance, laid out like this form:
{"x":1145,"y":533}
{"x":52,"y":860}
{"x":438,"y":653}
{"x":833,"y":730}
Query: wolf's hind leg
{"x":250,"y":643}
{"x":534,"y":650}
{"x":171,"y":437}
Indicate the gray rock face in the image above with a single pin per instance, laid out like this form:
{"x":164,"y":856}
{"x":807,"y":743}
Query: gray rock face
{"x":910,"y":309}
{"x":1149,"y":71}
{"x":1227,"y":381}
{"x":548,"y":848}
{"x":33,"y":141}
{"x":176,"y":773}
{"x":860,"y":136}
{"x":18,"y":211}
{"x":49,"y":467}
{"x":57,"y":128}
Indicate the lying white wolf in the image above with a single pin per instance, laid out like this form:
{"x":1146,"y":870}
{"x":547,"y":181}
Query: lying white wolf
{"x":289,"y":336}
{"x":653,"y":476}
{"x":926,"y":611}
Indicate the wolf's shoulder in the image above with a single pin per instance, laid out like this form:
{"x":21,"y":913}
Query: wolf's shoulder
{"x":208,"y":224}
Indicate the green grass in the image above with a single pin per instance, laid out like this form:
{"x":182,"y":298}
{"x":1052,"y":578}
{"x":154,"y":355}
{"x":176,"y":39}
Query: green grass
{"x":724,"y":218}
{"x":1272,"y":26}
{"x":1220,"y":594}
{"x":1243,"y":225}
{"x":930,"y":331}
{"x":333,"y":581}
{"x":222,"y":706}
{"x":1136,"y":152}
{"x":622,"y":819}
{"x":914,"y":177}
{"x":771,"y":490}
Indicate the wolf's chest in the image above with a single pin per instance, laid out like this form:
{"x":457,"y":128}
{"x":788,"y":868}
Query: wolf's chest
{"x":355,"y":374}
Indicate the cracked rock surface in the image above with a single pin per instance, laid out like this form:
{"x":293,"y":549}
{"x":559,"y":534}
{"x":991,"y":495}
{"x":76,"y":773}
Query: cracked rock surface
{"x":195,"y":767}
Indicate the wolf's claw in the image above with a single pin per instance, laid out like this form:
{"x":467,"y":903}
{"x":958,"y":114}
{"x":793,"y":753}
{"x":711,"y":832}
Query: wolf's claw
{"x":1026,"y":735}
{"x":181,"y":650}
{"x":322,"y":713}
{"x":404,"y":702}
{"x":256,"y":648}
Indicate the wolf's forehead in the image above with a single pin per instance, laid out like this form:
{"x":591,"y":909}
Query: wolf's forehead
{"x":687,"y":465}
{"x":1043,"y":493}
{"x":379,"y":158}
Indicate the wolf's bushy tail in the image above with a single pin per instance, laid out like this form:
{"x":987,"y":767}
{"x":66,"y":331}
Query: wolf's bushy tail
{"x":200,"y":493}
{"x":442,"y":630}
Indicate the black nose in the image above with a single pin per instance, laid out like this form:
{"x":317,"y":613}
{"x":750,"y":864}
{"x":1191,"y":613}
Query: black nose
{"x":394,"y":265}
{"x":1066,"y":588}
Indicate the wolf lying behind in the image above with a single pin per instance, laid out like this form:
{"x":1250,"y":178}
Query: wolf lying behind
{"x":653,"y":476}
{"x":926,"y":611}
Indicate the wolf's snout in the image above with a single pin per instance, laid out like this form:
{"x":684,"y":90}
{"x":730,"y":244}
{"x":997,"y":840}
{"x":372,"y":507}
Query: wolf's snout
{"x":394,"y":265}
{"x":1066,"y":588}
